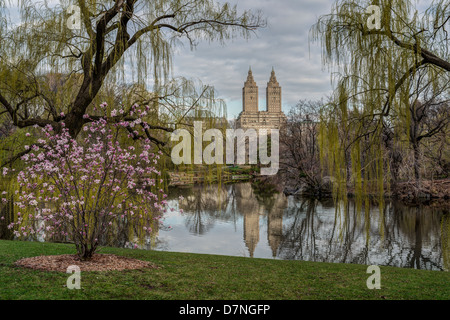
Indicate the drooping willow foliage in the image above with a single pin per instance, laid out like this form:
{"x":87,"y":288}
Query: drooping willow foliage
{"x":373,"y":73}
{"x":40,"y":33}
{"x":48,"y":63}
{"x":53,"y":71}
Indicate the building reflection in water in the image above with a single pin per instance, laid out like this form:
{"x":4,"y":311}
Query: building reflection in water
{"x":273,"y":225}
{"x":253,"y":220}
{"x":253,"y":207}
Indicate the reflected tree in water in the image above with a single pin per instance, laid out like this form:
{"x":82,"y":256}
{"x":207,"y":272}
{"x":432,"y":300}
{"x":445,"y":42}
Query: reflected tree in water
{"x":399,"y":236}
{"x":205,"y":204}
{"x":313,"y":230}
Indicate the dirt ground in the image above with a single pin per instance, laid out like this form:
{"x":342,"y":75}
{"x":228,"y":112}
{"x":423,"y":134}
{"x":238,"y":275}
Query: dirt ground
{"x":99,"y":262}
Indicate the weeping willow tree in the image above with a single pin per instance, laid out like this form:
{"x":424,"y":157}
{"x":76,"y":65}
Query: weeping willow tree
{"x":87,"y":44}
{"x":374,"y":65}
{"x":59,"y":61}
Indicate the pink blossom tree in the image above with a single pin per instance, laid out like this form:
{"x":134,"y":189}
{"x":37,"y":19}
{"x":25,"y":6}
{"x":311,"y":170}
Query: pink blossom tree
{"x":81,"y":189}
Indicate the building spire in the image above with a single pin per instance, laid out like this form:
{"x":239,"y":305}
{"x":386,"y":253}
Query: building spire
{"x":273,"y":79}
{"x":250,"y":79}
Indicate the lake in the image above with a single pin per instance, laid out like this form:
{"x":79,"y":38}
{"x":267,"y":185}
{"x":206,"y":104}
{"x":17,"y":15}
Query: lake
{"x":240,"y":220}
{"x":253,"y":220}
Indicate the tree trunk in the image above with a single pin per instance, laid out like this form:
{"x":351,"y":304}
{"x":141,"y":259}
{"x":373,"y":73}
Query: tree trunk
{"x":416,"y":165}
{"x":74,"y":120}
{"x":416,"y":162}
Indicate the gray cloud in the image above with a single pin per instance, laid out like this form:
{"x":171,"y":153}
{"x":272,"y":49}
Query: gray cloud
{"x":284,"y":44}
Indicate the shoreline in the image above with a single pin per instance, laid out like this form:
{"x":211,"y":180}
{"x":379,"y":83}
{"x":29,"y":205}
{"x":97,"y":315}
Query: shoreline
{"x":432,"y":191}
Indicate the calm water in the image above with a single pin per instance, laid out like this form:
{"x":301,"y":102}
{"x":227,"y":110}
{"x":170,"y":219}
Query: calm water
{"x":240,"y":220}
{"x":243,"y":220}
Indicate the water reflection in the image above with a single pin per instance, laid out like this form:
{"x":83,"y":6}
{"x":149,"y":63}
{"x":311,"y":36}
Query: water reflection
{"x":240,"y":220}
{"x":252,"y":220}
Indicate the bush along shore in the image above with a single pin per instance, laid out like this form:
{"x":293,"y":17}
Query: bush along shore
{"x":407,"y":191}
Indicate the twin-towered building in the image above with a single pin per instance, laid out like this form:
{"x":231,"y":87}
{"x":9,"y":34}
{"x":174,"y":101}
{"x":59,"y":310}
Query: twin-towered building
{"x":251,"y":118}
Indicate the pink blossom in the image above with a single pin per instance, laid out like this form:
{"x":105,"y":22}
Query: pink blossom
{"x":101,"y":156}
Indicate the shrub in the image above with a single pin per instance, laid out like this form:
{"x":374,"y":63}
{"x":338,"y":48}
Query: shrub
{"x":83,"y":189}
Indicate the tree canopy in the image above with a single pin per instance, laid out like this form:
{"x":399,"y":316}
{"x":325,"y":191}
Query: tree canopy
{"x":376,"y":72}
{"x":85,"y":43}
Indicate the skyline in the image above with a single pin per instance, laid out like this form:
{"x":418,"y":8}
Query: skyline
{"x":284,"y":45}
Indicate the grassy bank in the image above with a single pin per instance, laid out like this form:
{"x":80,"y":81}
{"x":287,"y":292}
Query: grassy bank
{"x":194,"y":276}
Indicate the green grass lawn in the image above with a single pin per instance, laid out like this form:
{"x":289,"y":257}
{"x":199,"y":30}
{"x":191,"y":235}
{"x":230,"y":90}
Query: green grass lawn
{"x":194,"y":276}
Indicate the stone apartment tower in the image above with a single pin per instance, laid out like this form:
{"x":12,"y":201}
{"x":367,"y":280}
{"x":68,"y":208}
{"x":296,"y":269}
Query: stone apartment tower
{"x":250,"y":95}
{"x":273,"y":117}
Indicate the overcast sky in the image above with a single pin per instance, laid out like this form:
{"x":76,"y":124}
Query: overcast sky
{"x":283,"y":44}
